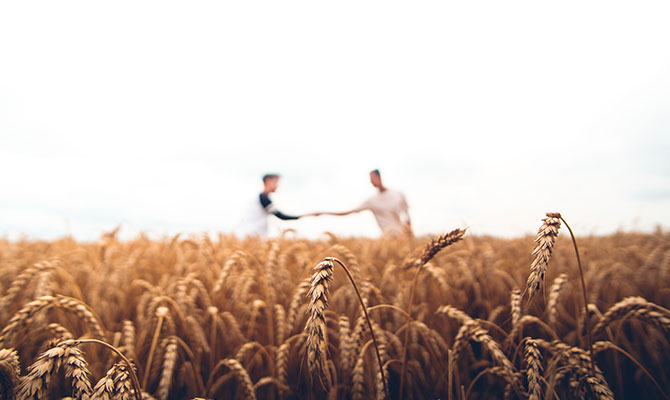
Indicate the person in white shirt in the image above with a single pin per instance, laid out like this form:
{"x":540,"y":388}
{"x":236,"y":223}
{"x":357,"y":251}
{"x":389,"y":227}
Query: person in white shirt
{"x":388,"y":206}
{"x":255,"y":220}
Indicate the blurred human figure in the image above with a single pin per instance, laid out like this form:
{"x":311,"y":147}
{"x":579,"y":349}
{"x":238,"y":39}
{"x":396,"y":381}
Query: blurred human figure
{"x":255,"y":221}
{"x":389,"y":207}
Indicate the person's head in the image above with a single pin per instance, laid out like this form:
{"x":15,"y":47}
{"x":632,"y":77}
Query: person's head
{"x":270,"y":182}
{"x":376,"y":179}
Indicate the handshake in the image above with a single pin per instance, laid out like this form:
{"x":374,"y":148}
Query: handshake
{"x":339,"y":214}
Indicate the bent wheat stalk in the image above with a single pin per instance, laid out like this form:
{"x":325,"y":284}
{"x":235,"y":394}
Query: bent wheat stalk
{"x":546,"y":237}
{"x":317,"y":345}
{"x":429,"y":252}
{"x":316,"y":326}
{"x":161,"y":312}
{"x":65,"y":354}
{"x":131,"y":370}
{"x":545,"y":243}
{"x":586,"y":303}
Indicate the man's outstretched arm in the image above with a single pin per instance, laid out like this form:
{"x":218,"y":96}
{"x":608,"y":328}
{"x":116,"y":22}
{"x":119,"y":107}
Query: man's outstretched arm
{"x":269,"y":207}
{"x":339,"y":214}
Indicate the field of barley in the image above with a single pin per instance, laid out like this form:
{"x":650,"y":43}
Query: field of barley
{"x":457,"y":316}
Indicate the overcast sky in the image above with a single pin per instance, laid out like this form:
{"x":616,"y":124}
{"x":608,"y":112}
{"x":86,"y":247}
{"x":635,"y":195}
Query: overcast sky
{"x":161,"y":116}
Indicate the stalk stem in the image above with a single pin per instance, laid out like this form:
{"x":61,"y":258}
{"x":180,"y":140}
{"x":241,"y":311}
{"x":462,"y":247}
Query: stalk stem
{"x":406,"y":342}
{"x":154,"y":342}
{"x":367,"y":318}
{"x":586,"y":303}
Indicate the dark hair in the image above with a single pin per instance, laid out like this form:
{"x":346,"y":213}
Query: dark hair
{"x":269,"y":176}
{"x":375,"y":171}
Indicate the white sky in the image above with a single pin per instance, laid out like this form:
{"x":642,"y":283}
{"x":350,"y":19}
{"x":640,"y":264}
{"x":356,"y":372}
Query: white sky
{"x":162,"y":116}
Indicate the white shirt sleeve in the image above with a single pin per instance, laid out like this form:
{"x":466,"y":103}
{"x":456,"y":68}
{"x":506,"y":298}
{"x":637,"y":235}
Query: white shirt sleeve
{"x":365,"y":205}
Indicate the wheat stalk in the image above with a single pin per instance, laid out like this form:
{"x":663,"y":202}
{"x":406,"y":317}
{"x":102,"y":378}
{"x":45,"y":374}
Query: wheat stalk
{"x":542,"y":252}
{"x":346,"y":345}
{"x":554,"y":293}
{"x":64,"y":354}
{"x":533,"y":369}
{"x":515,"y":305}
{"x":161,"y":313}
{"x":296,"y":300}
{"x":283,"y":353}
{"x":242,"y":375}
{"x":636,"y":307}
{"x":438,"y":243}
{"x":579,"y":362}
{"x":21,"y":282}
{"x":10,"y":371}
{"x":59,"y":331}
{"x":24,"y":317}
{"x":169,"y":364}
{"x":134,"y":279}
{"x":280,"y":320}
{"x":123,"y":386}
{"x":269,"y":380}
{"x":128,"y":337}
{"x":367,"y":317}
{"x":85,"y":313}
{"x":317,"y":345}
{"x":472,"y":330}
{"x":546,"y":237}
{"x":104,"y":389}
{"x":232,"y":326}
{"x":358,"y":374}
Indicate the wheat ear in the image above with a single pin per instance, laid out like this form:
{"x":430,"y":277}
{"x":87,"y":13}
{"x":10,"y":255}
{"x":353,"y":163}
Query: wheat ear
{"x":542,"y":252}
{"x":515,"y":305}
{"x":639,"y":308}
{"x":546,"y":237}
{"x":280,"y":320}
{"x":296,"y":300}
{"x":283,"y":353}
{"x":104,"y":389}
{"x":128,"y":337}
{"x":471,"y":329}
{"x":533,"y":369}
{"x":130,"y":367}
{"x":10,"y":370}
{"x":242,"y":377}
{"x":59,"y":331}
{"x":27,"y":313}
{"x":48,"y":363}
{"x":169,"y":364}
{"x":161,"y":313}
{"x":316,"y":323}
{"x":115,"y":385}
{"x":579,"y":361}
{"x":20,"y":282}
{"x":345,"y":345}
{"x":123,"y":386}
{"x":554,"y":293}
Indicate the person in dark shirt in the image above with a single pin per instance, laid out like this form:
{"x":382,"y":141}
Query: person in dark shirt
{"x":255,"y":220}
{"x":270,"y":182}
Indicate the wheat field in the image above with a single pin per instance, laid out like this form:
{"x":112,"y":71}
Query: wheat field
{"x":455,"y":317}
